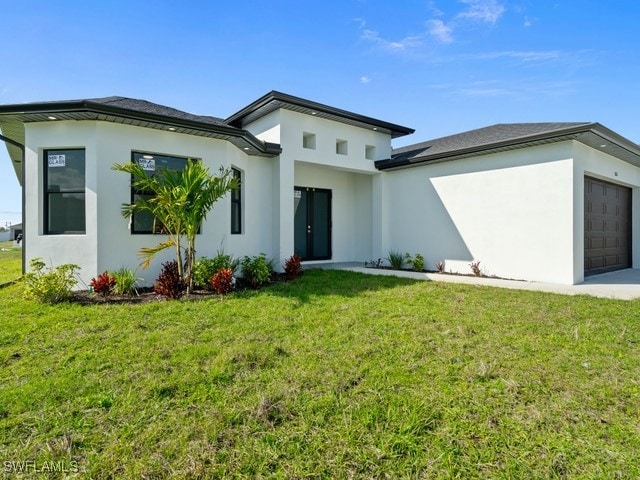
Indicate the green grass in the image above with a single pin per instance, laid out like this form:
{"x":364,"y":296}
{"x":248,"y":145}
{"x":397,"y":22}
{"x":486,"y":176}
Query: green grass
{"x":10,"y":262}
{"x":337,"y":375}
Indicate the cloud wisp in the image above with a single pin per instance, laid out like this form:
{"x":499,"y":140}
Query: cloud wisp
{"x":487,"y":11}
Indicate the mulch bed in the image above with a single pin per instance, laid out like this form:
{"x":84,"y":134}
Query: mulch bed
{"x":147,"y":295}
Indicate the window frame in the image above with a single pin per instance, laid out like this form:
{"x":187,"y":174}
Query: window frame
{"x":47,"y":193}
{"x":159,"y":228}
{"x":236,"y":203}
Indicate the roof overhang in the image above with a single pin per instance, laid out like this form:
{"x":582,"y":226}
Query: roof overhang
{"x":594,"y":135}
{"x":274,"y":100}
{"x":14,"y":117}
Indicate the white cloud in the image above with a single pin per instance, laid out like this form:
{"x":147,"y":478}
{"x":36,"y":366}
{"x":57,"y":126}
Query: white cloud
{"x":488,"y":11}
{"x":364,"y":79}
{"x":440,"y":31}
{"x":527,"y":56}
{"x":404,"y":44}
{"x":527,"y":22}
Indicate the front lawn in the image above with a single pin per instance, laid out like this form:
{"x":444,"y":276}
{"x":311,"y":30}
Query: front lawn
{"x":336,"y":375}
{"x":10,"y":262}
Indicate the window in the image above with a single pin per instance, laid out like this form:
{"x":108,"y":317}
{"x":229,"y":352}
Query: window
{"x":236,"y":204}
{"x":64,"y":199}
{"x":143,"y":222}
{"x":341,"y":147}
{"x":309,"y":140}
{"x":370,"y":152}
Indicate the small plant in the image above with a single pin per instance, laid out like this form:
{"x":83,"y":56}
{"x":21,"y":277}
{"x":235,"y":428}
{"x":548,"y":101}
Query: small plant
{"x":293,"y":267}
{"x":222,"y":281}
{"x":475,"y":268}
{"x":169,"y":283}
{"x":126,"y":282}
{"x":417,"y":262}
{"x":52,"y":285}
{"x":103,"y":284}
{"x":256,"y":270}
{"x":397,"y":259}
{"x":205,"y":268}
{"x":440,"y":266}
{"x":374,"y":263}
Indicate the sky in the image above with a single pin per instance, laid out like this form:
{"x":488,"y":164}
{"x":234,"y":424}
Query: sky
{"x":440,"y":67}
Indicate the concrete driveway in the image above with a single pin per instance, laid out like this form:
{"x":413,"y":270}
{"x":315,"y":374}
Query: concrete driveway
{"x":622,"y":284}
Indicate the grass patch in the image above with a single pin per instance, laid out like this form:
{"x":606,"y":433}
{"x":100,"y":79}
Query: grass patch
{"x":336,"y":375}
{"x":10,"y":262}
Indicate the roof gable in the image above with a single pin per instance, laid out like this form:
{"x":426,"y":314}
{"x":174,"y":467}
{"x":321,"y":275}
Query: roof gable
{"x":276,"y":100}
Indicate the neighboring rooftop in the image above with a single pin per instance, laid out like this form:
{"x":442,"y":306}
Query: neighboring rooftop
{"x":510,"y":136}
{"x":274,"y":100}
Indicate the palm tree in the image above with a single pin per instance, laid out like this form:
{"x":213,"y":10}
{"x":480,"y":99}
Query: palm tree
{"x":180,"y":201}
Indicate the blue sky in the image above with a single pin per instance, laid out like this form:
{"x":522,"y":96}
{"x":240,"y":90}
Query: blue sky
{"x":440,"y":67}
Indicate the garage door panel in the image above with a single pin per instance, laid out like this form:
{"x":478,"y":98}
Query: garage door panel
{"x":607,"y":224}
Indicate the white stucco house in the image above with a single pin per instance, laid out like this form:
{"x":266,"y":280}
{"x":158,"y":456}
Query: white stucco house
{"x":542,"y":201}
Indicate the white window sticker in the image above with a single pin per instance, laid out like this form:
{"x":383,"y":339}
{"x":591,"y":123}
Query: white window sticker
{"x":148,"y":164}
{"x":57,"y":160}
{"x":297,"y":194}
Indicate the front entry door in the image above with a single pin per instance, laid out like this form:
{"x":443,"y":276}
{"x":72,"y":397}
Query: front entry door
{"x":312,"y":223}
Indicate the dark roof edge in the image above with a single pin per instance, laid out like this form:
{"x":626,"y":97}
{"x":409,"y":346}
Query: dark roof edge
{"x":485,"y":149}
{"x":71,"y":106}
{"x":274,"y":95}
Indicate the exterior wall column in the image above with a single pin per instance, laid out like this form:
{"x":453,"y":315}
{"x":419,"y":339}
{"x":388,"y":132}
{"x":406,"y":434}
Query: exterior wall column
{"x":378,"y":223}
{"x":283,"y":209}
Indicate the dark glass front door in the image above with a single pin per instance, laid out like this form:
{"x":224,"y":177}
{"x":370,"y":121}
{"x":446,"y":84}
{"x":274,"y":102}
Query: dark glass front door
{"x":312,"y":223}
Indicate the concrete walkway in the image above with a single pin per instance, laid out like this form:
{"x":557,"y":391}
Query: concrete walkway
{"x":622,"y":284}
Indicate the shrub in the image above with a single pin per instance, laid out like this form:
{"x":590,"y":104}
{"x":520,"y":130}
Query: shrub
{"x":417,"y":262}
{"x":440,"y":267}
{"x":126,"y":282}
{"x":397,"y":259}
{"x":293,"y":267}
{"x":169,"y":283}
{"x":222,"y":281}
{"x":52,"y":285}
{"x":475,"y":268}
{"x":256,"y":271}
{"x":103,"y":283}
{"x":374,"y":263}
{"x":205,"y":268}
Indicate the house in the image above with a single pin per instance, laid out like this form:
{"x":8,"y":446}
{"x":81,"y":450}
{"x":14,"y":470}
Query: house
{"x":16,"y":232}
{"x":544,"y":202}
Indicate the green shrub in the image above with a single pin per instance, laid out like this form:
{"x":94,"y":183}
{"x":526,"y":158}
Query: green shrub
{"x":256,"y":271}
{"x":205,"y":268}
{"x":126,"y":282}
{"x":52,"y":285}
{"x":397,"y":259}
{"x":417,"y":262}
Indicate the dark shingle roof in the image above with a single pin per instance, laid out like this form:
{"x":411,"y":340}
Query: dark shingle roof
{"x":128,"y":111}
{"x":511,"y":136}
{"x":481,"y":137}
{"x":143,"y":106}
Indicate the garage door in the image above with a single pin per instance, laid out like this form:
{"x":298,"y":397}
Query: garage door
{"x":607,"y":226}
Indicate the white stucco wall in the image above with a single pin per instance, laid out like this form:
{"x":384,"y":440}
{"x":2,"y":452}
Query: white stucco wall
{"x":512,"y":211}
{"x":598,"y":164}
{"x":108,"y":243}
{"x":349,"y":176}
{"x":351,"y":209}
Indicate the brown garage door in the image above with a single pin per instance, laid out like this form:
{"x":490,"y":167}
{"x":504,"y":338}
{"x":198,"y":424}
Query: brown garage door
{"x":607,"y":226}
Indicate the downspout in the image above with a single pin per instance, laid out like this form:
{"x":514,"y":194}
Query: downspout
{"x":24,"y":224}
